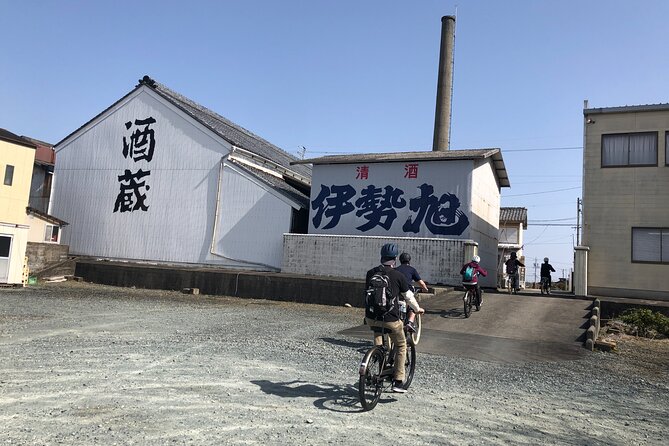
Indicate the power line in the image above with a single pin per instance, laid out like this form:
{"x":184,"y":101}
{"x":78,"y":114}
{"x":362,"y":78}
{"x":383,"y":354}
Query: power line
{"x":543,"y":192}
{"x":554,"y":219}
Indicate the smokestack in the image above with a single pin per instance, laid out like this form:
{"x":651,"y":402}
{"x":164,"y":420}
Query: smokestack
{"x":442,"y":115}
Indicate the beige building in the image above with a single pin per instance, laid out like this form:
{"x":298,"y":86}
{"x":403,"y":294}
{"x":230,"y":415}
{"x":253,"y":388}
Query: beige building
{"x":626,"y":200}
{"x":17,"y":156}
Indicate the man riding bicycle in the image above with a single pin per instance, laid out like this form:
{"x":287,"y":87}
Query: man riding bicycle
{"x":512,"y":271}
{"x":473,"y":280}
{"x":412,"y":276}
{"x":391,"y":319}
{"x":546,"y":269}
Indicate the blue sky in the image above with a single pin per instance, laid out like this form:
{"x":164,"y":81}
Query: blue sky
{"x":354,"y":76}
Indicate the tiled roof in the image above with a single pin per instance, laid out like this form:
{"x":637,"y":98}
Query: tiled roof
{"x":513,"y":215}
{"x":46,"y":217}
{"x":228,"y":130}
{"x":6,"y":135}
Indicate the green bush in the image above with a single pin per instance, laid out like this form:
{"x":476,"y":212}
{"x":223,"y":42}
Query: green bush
{"x":646,"y":321}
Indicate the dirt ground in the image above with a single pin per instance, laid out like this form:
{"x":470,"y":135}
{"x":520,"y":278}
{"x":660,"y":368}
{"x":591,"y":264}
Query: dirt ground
{"x":83,"y":364}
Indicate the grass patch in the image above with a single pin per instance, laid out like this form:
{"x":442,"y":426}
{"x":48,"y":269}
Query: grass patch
{"x":645,"y":322}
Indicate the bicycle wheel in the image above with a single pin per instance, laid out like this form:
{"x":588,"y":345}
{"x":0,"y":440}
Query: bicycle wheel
{"x":409,"y":365}
{"x":371,"y":382}
{"x":467,"y":300}
{"x":415,"y":337}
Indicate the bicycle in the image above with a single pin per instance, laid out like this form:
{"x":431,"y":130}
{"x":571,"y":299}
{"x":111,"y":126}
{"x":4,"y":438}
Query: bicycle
{"x":377,"y":369}
{"x":413,"y":336}
{"x":470,"y":298}
{"x":545,"y":285}
{"x":512,"y":283}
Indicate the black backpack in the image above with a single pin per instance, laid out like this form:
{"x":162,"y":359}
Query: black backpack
{"x":378,"y":297}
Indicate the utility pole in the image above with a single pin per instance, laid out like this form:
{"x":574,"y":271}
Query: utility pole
{"x":535,"y":271}
{"x":578,"y":222}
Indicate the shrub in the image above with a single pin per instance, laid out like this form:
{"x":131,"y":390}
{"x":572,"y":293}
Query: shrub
{"x":646,"y":321}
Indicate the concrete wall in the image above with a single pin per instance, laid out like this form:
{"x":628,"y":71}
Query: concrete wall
{"x":615,"y":199}
{"x":247,"y":284}
{"x":437,"y":260}
{"x":40,"y":255}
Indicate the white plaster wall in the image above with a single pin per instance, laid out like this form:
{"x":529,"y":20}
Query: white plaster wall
{"x":17,"y":251}
{"x":438,"y":260}
{"x":485,"y":218}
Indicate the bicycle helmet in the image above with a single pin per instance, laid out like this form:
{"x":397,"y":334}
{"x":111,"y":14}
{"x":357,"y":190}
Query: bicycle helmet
{"x":389,"y":250}
{"x":546,"y":259}
{"x":405,"y":258}
{"x":513,"y":255}
{"x":476,"y":259}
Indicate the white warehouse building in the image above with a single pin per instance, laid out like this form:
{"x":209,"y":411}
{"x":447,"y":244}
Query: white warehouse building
{"x":156,"y":177}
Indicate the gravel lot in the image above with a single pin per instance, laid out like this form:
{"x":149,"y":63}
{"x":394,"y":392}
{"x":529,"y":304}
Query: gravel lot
{"x":88,"y":364}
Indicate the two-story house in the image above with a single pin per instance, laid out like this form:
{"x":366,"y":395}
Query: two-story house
{"x":626,"y":200}
{"x":512,"y":224}
{"x":17,"y":156}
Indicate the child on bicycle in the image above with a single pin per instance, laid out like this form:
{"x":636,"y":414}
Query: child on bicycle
{"x":546,"y":269}
{"x":412,"y":276}
{"x":473,"y":281}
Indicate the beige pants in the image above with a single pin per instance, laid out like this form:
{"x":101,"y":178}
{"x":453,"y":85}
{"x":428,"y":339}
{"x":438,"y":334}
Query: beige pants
{"x":397,"y":335}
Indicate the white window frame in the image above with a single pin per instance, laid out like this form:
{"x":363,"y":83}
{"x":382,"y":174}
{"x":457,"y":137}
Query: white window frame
{"x":48,"y":233}
{"x":9,"y":175}
{"x":623,"y":143}
{"x":650,"y":245}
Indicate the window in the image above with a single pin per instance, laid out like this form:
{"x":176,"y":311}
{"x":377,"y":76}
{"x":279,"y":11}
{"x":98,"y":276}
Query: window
{"x":5,"y":245}
{"x":650,"y":245}
{"x":629,"y":149}
{"x":508,"y":235}
{"x":9,"y":174}
{"x":51,"y":233}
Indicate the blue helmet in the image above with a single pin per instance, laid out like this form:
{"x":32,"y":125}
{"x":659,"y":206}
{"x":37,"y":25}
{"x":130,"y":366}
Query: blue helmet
{"x":389,"y":250}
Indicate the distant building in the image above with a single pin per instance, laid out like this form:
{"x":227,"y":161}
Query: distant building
{"x":512,"y":227}
{"x":18,"y":156}
{"x":157,"y":177}
{"x":626,"y":200}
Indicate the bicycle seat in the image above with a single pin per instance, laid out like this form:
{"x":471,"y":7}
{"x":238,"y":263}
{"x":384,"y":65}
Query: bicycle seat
{"x":469,"y":284}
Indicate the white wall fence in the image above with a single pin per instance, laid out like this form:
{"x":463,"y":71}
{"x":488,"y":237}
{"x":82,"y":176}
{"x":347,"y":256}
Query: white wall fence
{"x":438,"y":260}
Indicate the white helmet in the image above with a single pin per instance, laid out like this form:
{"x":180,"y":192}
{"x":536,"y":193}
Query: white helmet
{"x":476,"y":259}
{"x":546,"y":259}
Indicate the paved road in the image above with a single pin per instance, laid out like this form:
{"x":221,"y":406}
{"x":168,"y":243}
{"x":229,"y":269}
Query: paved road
{"x":509,"y":328}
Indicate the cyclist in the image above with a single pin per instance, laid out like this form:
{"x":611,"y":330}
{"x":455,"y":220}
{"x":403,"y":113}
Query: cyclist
{"x":412,"y":276}
{"x":546,"y":269}
{"x":474,"y":281}
{"x":391,"y":320}
{"x":512,"y":270}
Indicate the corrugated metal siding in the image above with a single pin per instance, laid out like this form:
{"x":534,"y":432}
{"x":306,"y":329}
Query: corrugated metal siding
{"x":183,"y":182}
{"x":437,"y":260}
{"x":252,"y":220}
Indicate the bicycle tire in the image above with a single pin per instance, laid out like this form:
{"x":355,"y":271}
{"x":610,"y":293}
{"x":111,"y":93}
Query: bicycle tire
{"x":370,"y":384}
{"x":478,"y":303}
{"x":415,"y":337}
{"x":467,"y":303}
{"x":409,"y":365}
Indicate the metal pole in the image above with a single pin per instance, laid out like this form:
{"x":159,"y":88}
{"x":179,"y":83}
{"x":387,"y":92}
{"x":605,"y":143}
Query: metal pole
{"x":578,"y":222}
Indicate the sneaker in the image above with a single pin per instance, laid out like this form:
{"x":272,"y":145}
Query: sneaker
{"x":411,"y":327}
{"x":398,"y":387}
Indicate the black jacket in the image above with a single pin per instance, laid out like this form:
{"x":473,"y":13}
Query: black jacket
{"x":398,"y":284}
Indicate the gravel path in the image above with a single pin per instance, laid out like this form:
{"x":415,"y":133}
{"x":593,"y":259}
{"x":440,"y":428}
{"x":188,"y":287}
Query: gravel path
{"x":84,"y":364}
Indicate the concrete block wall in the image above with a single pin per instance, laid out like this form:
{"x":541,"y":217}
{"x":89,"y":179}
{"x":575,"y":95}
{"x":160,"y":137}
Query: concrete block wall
{"x":41,"y":255}
{"x":438,"y":260}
